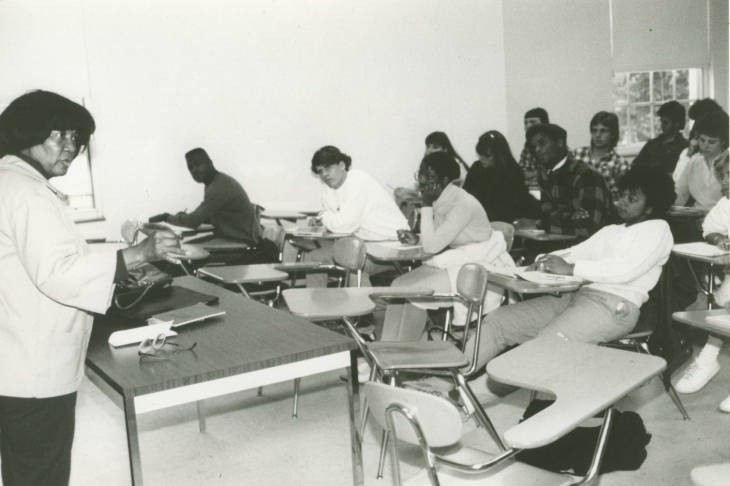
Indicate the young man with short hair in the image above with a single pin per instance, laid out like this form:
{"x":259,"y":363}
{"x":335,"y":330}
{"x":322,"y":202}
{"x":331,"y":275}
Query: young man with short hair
{"x":601,"y":154}
{"x":663,"y":151}
{"x":574,"y":197}
{"x":532,"y":117}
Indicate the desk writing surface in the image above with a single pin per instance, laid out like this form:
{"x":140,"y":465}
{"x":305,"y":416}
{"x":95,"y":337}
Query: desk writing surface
{"x":520,"y":286}
{"x":251,"y":336}
{"x":330,"y":303}
{"x":585,"y":379}
{"x":697,"y":319}
{"x":536,"y":235}
{"x":698,"y":252}
{"x":231,"y":274}
{"x":394,"y":251}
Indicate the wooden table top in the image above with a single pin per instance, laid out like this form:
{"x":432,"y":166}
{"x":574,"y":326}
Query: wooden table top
{"x":251,"y":336}
{"x":585,"y":378}
{"x":697,"y":319}
{"x":394,"y":251}
{"x":332,"y":303}
{"x":263,"y":272}
{"x":523,"y":287}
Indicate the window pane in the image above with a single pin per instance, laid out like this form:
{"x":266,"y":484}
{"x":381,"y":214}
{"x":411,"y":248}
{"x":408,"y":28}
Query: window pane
{"x":682,"y":84}
{"x":624,"y":136}
{"x":663,"y":86}
{"x":620,"y":95}
{"x":642,"y":120}
{"x":638,"y":87}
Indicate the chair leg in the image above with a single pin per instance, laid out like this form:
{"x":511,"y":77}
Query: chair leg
{"x":480,"y":415}
{"x":595,"y":466}
{"x":201,"y":416}
{"x":675,"y":398}
{"x":383,"y":451}
{"x":295,"y":411}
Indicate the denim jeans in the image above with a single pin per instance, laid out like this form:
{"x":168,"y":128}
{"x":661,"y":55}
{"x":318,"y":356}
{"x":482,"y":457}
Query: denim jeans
{"x":587,"y":315}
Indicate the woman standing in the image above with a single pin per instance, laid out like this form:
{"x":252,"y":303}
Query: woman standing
{"x":51,"y":285}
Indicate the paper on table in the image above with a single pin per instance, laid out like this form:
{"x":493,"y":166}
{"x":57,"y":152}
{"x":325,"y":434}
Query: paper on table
{"x":548,"y":278}
{"x":699,"y":248}
{"x":188,"y":315}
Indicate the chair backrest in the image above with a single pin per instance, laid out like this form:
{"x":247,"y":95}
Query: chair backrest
{"x":438,"y":419}
{"x":349,"y":253}
{"x":507,"y":230}
{"x":471,"y":282}
{"x":277,"y":234}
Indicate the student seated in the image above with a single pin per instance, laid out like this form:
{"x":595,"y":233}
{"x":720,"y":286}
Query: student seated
{"x":663,"y":151}
{"x":601,"y":154}
{"x":716,"y":231}
{"x":456,"y":230}
{"x":699,"y":109}
{"x":227,"y":207}
{"x":697,"y":181}
{"x":409,"y":199}
{"x":620,"y":262}
{"x":353,"y":202}
{"x":497,"y":181}
{"x":534,"y":116}
{"x":574,"y":198}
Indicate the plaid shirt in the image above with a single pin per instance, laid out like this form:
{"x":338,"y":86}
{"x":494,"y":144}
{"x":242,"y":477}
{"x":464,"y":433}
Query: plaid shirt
{"x":528,"y":164}
{"x":611,"y":166}
{"x":574,"y":187}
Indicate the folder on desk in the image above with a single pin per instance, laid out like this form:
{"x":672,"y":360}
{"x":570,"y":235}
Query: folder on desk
{"x":188,"y":315}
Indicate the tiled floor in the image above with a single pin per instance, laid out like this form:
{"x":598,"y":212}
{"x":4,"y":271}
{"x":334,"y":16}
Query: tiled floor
{"x":253,"y":440}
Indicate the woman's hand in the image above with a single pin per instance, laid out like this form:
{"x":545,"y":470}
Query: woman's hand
{"x":159,"y":245}
{"x":407,"y":237}
{"x":553,"y":264}
{"x":430,"y":192}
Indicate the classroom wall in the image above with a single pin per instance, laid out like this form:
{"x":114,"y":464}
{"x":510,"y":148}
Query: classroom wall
{"x":260,"y":84}
{"x":719,"y":51}
{"x":558,"y":57}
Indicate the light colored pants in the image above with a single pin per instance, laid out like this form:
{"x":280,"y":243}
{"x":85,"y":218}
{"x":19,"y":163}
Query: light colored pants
{"x":406,"y":322}
{"x":587,"y":315}
{"x":325,"y":254}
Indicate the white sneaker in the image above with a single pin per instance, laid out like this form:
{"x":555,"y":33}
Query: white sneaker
{"x":696,"y":376}
{"x":725,"y":405}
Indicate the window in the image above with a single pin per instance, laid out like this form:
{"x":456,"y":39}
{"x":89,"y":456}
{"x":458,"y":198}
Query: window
{"x":78,"y":186}
{"x":638,"y":95}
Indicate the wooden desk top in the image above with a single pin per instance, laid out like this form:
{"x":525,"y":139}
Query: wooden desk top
{"x":697,"y":319}
{"x":585,"y":378}
{"x":332,"y":303}
{"x":251,"y":336}
{"x":523,"y":287}
{"x":263,"y":272}
{"x":535,"y":235}
{"x":394,"y":251}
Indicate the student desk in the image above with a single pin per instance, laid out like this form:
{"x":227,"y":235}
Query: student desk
{"x":251,"y":346}
{"x":710,"y":262}
{"x":287,"y":215}
{"x":395,"y":253}
{"x":532,"y":242}
{"x":523,"y":287}
{"x":697,"y":319}
{"x":585,"y":379}
{"x":534,"y":234}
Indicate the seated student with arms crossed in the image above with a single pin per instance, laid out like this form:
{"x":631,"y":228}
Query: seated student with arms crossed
{"x":716,"y":231}
{"x":574,"y":198}
{"x":456,"y":230}
{"x":354,"y":203}
{"x":621,"y":263}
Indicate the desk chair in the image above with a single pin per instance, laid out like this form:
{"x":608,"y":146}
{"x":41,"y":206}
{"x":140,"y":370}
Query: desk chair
{"x":440,"y":358}
{"x":432,"y":422}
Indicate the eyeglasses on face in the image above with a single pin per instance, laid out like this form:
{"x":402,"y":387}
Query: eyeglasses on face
{"x":425,"y":178}
{"x":67,"y":136}
{"x":155,"y":347}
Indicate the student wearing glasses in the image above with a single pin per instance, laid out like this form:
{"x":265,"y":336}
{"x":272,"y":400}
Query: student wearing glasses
{"x":52,"y":284}
{"x":353,"y":202}
{"x":455,"y":230}
{"x":621,"y":264}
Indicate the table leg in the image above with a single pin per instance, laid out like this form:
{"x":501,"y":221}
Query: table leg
{"x":710,"y":286}
{"x":130,"y":420}
{"x":353,"y":399}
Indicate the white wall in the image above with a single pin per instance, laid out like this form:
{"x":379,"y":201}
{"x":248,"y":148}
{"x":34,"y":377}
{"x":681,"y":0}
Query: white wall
{"x":260,"y":84}
{"x":558,"y":57}
{"x":719,"y":51}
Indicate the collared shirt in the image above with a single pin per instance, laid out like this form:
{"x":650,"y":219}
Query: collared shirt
{"x":52,"y":282}
{"x":363,"y":207}
{"x":699,"y":182}
{"x":457,"y":218}
{"x":573,"y":187}
{"x":611,"y":166}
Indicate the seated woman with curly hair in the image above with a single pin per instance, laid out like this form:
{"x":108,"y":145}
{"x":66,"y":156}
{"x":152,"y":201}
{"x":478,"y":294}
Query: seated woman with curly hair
{"x":620,"y":262}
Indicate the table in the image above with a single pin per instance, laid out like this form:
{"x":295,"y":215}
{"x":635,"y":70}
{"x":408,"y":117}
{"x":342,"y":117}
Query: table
{"x":697,"y":319}
{"x":585,"y":379}
{"x":686,"y":212}
{"x":251,"y":346}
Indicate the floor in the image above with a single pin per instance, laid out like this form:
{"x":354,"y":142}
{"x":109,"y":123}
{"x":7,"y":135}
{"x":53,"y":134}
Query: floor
{"x":253,"y":440}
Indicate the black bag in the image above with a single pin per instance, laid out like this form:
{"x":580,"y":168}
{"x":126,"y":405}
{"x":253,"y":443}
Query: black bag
{"x":143,"y":280}
{"x":625,"y":449}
